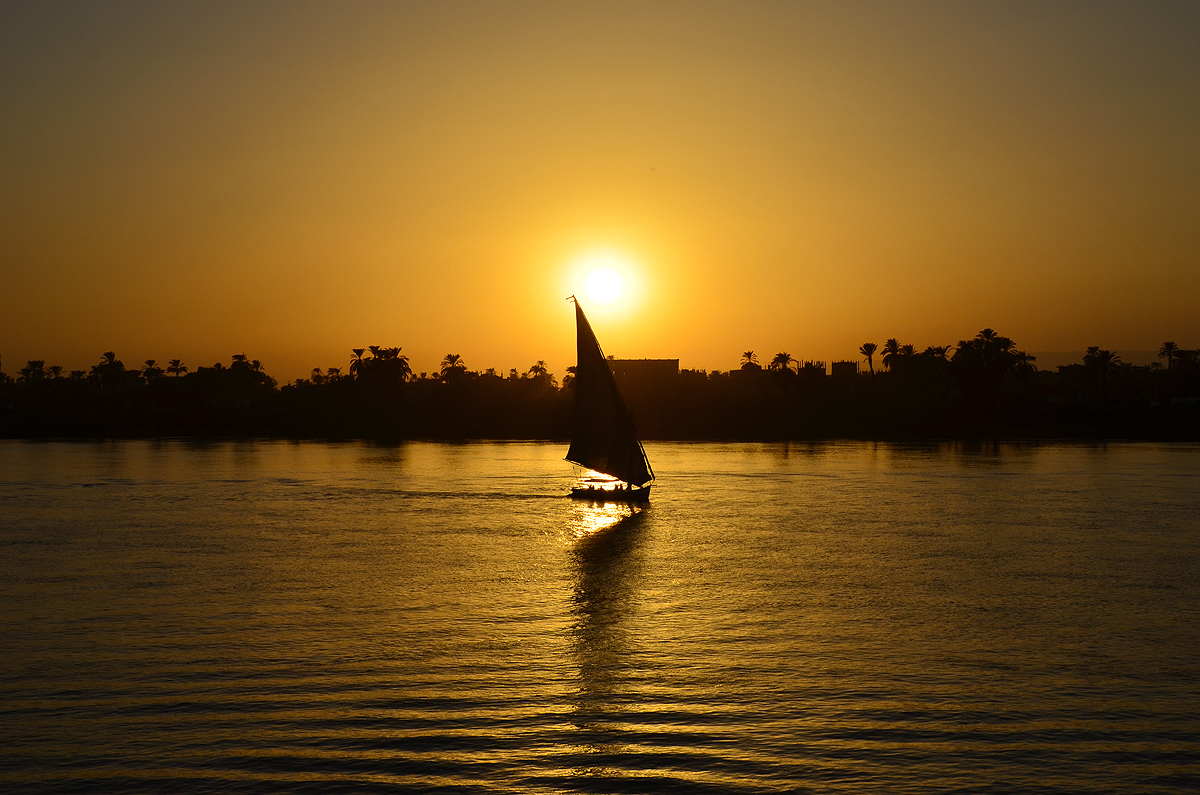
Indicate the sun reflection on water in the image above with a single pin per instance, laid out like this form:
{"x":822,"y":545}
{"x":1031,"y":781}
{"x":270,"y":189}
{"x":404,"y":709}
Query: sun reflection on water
{"x":607,"y":563}
{"x":588,"y":518}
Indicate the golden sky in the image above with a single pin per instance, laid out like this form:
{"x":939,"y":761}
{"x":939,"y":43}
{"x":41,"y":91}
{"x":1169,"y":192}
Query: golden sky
{"x":291,"y":180}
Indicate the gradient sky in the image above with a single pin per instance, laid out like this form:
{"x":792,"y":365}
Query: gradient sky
{"x":291,"y":180}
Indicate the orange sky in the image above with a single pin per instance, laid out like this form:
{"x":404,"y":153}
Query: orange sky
{"x":292,"y":180}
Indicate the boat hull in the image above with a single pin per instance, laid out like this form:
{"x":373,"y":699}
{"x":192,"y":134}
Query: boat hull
{"x":592,"y":494}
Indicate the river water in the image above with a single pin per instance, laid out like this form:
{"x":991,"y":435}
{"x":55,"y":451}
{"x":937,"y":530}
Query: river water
{"x":843,"y":617}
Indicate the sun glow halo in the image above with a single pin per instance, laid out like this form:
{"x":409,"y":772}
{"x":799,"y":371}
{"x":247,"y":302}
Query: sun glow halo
{"x":604,"y":283}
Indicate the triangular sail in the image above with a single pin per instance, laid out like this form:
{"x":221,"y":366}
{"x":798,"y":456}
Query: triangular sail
{"x":603,"y":438}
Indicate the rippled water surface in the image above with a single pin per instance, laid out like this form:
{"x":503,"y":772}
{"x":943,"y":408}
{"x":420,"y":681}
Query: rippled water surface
{"x":280,"y":617}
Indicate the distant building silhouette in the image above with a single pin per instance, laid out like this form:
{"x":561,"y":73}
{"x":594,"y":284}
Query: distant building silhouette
{"x":811,"y":369}
{"x":644,"y":376}
{"x":648,"y":387}
{"x":844,"y":370}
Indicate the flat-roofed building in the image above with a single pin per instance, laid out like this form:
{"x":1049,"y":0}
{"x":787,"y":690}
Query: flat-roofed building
{"x":648,"y":387}
{"x":844,"y":369}
{"x":636,"y":375}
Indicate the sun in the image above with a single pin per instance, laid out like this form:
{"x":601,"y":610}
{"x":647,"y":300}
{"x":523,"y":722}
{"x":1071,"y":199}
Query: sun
{"x":604,"y":283}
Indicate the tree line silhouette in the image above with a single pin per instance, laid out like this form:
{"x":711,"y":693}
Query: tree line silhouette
{"x":983,"y":387}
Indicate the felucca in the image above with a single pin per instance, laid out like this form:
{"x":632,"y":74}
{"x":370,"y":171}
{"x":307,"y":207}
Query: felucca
{"x":603,"y":438}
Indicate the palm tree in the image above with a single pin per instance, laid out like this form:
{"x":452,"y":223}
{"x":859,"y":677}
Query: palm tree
{"x":151,"y":370}
{"x":176,"y":367}
{"x":357,"y":363}
{"x":750,"y":361}
{"x":1108,"y":364}
{"x":781,"y":361}
{"x":1024,"y":362}
{"x":1104,"y":362}
{"x":907,"y":351}
{"x":937,"y":352}
{"x":891,"y":351}
{"x":334,"y":373}
{"x":868,"y":349}
{"x":399,"y":363}
{"x":1187,"y":358}
{"x":1168,"y":351}
{"x":1024,"y":367}
{"x":541,"y":373}
{"x":55,"y":371}
{"x":108,"y":371}
{"x":452,"y":361}
{"x":33,"y":371}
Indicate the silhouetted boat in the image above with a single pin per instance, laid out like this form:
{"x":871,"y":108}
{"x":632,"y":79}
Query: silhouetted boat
{"x":603,"y":438}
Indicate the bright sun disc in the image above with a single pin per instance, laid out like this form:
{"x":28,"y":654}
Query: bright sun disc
{"x":604,"y":283}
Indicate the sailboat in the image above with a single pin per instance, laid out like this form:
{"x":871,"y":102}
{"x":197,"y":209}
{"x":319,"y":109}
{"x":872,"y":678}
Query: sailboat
{"x":603,"y":438}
